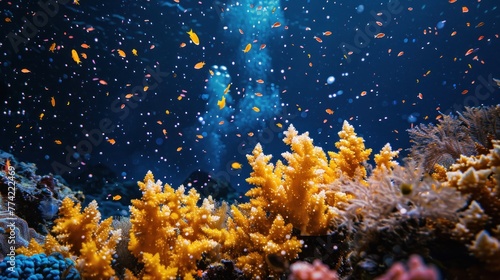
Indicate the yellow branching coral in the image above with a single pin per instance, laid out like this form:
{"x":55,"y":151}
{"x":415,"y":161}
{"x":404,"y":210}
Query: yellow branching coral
{"x":167,"y":232}
{"x":83,"y":236}
{"x":351,"y":155}
{"x":293,"y":191}
{"x":252,"y":236}
{"x":384,"y":160}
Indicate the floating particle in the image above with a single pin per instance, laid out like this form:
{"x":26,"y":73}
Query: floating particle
{"x":330,"y":80}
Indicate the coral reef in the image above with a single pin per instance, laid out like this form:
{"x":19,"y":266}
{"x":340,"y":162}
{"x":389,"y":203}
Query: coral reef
{"x":367,"y":219}
{"x":15,"y":233}
{"x":39,"y":266}
{"x":37,"y":198}
{"x":83,"y":236}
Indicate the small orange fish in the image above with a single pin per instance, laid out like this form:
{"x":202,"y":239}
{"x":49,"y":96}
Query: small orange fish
{"x":260,"y":81}
{"x":327,"y":33}
{"x":276,"y":24}
{"x":241,"y":31}
{"x":453,"y":33}
{"x":117,"y":197}
{"x":452,"y":1}
{"x":263,"y":46}
{"x":103,"y":82}
{"x":129,"y":95}
{"x":379,"y":23}
{"x":199,"y":65}
{"x":221,"y":103}
{"x":25,"y":70}
{"x":465,"y":91}
{"x":52,"y":47}
{"x":363,"y":93}
{"x":179,"y":149}
{"x":111,"y":141}
{"x":470,"y":51}
{"x":379,"y":35}
{"x":121,"y":53}
{"x":465,"y":9}
{"x":58,"y":142}
{"x":53,"y":101}
{"x":85,"y":46}
{"x":256,"y":109}
{"x":182,"y":45}
{"x":480,"y":38}
{"x":401,"y":53}
{"x":420,"y":95}
{"x":329,"y":111}
{"x":318,"y":39}
{"x":84,"y":55}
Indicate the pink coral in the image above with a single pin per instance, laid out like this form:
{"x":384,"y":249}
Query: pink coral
{"x":417,"y":270}
{"x":315,"y":271}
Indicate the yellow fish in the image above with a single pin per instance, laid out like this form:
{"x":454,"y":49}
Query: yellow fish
{"x":236,"y":165}
{"x":247,"y":48}
{"x":75,"y":56}
{"x":117,"y":197}
{"x":222,"y":103}
{"x":193,"y":37}
{"x":256,"y":109}
{"x":134,"y":52}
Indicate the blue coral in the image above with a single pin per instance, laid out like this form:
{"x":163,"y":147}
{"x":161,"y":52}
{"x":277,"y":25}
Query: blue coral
{"x":39,"y":266}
